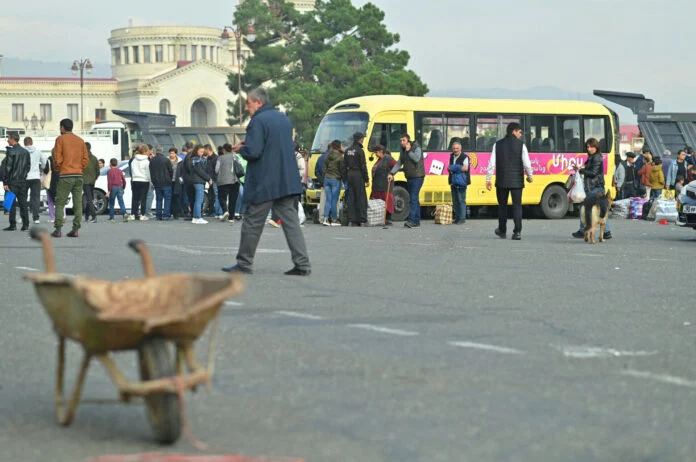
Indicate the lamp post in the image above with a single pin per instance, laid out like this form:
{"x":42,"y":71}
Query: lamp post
{"x":251,"y":37}
{"x":82,"y":65}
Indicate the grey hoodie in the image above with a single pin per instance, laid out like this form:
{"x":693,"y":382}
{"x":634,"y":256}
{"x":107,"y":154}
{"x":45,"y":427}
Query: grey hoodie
{"x":38,"y":162}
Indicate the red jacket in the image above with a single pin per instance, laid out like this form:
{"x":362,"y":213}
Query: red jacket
{"x":115,"y":177}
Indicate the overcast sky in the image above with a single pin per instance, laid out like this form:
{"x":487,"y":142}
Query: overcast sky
{"x":640,"y":46}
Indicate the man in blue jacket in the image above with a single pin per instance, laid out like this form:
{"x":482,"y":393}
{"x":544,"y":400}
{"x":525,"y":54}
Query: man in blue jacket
{"x":272,"y":182}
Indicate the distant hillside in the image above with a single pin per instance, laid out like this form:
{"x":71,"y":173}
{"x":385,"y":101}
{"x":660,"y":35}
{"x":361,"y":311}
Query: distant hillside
{"x":17,"y":67}
{"x":553,"y":93}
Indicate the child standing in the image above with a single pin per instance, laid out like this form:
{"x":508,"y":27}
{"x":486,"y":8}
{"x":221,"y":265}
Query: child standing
{"x":657,"y":179}
{"x":678,"y":185}
{"x":116,"y":183}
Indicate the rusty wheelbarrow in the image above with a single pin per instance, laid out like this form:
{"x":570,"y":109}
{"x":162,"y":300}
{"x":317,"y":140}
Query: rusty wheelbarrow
{"x":146,"y":315}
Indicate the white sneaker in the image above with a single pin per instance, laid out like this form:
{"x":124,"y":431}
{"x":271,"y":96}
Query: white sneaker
{"x":144,"y":218}
{"x":335,"y":223}
{"x":199,"y":221}
{"x":36,"y":222}
{"x":326,"y":222}
{"x":51,"y":221}
{"x":224,"y":216}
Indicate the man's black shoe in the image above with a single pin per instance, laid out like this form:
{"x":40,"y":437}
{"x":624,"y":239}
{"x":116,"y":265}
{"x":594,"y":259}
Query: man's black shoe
{"x":298,"y":272}
{"x":10,"y":228}
{"x":607,"y":235}
{"x":499,"y":233}
{"x":516,"y":237}
{"x":73,"y":233}
{"x":57,"y":233}
{"x":237,"y":269}
{"x":579,"y":234}
{"x":25,"y":227}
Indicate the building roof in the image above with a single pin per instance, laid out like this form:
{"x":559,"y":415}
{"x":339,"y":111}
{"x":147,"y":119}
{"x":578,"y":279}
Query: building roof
{"x":54,"y":79}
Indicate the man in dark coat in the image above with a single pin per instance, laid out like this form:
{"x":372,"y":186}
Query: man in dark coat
{"x":509,"y":159}
{"x":17,"y":166}
{"x":161,"y":173}
{"x":354,"y":172}
{"x":272,"y":182}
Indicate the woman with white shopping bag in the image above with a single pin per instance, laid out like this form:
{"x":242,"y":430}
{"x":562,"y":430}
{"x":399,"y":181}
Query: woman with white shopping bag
{"x":593,"y":180}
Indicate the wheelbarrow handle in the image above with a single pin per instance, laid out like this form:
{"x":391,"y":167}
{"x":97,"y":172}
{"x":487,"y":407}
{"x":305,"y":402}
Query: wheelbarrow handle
{"x":141,"y":249}
{"x":41,"y":235}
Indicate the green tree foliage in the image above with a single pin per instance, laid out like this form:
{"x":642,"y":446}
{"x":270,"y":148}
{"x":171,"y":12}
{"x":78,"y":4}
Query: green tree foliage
{"x":315,"y":60}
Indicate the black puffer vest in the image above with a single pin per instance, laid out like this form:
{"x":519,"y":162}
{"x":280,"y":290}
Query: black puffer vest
{"x":509,"y":171}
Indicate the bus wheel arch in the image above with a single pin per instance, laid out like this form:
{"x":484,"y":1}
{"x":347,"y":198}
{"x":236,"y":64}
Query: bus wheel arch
{"x":554,"y":202}
{"x":401,"y":202}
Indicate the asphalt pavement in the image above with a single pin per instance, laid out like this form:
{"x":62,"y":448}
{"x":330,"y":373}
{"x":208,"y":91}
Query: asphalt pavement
{"x":443,"y":343}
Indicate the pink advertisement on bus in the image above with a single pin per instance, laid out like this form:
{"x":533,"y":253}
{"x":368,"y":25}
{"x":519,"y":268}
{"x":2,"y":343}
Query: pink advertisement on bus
{"x":546,"y":163}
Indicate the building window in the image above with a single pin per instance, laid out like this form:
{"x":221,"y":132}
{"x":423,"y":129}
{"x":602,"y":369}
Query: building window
{"x":194,"y":52}
{"x":165,"y":107}
{"x":147,"y":49}
{"x":126,"y":56}
{"x":182,"y":52}
{"x":73,"y":113}
{"x":116,"y":52}
{"x":46,"y":112}
{"x":99,"y":115}
{"x":136,"y":55}
{"x":204,"y":52}
{"x":17,"y":112}
{"x":159,"y":51}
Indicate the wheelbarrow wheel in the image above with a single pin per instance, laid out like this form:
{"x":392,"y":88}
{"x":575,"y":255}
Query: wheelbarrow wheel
{"x":162,"y":408}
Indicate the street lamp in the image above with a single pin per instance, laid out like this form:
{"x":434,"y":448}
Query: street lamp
{"x":82,"y":65}
{"x":251,"y":37}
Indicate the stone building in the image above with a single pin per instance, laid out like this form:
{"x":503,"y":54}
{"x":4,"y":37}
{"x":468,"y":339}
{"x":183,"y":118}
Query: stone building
{"x":179,"y":70}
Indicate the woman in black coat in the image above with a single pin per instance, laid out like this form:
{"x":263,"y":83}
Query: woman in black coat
{"x":354,"y":172}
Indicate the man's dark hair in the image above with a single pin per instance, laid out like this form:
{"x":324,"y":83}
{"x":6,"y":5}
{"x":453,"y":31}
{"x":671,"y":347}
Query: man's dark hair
{"x":89,"y":146}
{"x":208,"y":147}
{"x":512,"y":127}
{"x":173,"y":150}
{"x":102,"y":161}
{"x":227,"y":147}
{"x":680,"y":178}
{"x":150,"y":147}
{"x":688,"y":150}
{"x":28,"y":141}
{"x":14,"y":136}
{"x":406,"y":135}
{"x":113,"y":162}
{"x":67,"y":124}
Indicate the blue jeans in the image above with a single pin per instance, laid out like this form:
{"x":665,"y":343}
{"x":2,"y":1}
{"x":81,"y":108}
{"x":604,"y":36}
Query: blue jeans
{"x":218,"y":207}
{"x":149,"y":199}
{"x":332,"y":186}
{"x":459,"y":203}
{"x":116,"y":193}
{"x":240,"y":207}
{"x":655,"y":193}
{"x":592,"y":192}
{"x":198,"y":201}
{"x":414,"y":186}
{"x":163,"y":194}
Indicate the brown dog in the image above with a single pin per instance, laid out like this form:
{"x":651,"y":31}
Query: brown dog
{"x":597,"y":214}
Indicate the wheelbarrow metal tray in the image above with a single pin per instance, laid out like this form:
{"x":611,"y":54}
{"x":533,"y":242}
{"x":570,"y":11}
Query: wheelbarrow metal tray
{"x":110,"y":316}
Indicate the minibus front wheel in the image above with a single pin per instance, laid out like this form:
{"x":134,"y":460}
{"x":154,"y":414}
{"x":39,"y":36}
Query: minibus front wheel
{"x":554,"y":202}
{"x":401,"y":201}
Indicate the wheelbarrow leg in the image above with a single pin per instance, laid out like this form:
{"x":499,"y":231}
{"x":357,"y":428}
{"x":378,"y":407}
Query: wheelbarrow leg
{"x":63,"y":417}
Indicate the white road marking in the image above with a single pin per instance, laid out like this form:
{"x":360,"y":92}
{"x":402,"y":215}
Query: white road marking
{"x":231,"y":303}
{"x":673,"y":380}
{"x":210,"y":250}
{"x":343,"y":238}
{"x":592,"y":255}
{"x":585,"y":352}
{"x":295,"y":314}
{"x":660,"y":259}
{"x":26,"y":268}
{"x":384,"y":330}
{"x":483,"y":346}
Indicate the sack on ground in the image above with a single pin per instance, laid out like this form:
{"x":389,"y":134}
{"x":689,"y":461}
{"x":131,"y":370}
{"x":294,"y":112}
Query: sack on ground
{"x":646,"y":211}
{"x":663,"y":209}
{"x":577,"y":192}
{"x":636,"y":209}
{"x":375,"y":212}
{"x":443,"y":214}
{"x":620,"y":209}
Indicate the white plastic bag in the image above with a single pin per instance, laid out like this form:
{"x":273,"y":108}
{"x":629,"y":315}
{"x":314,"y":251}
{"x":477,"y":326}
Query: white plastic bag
{"x":621,"y":208}
{"x":577,"y":192}
{"x":301,"y":213}
{"x":663,"y":209}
